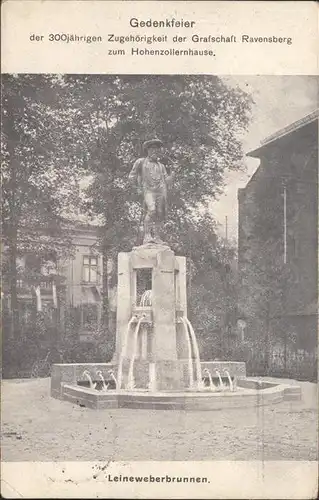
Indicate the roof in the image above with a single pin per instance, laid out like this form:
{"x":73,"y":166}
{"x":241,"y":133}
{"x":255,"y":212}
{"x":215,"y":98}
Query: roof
{"x":285,"y":132}
{"x":80,"y":226}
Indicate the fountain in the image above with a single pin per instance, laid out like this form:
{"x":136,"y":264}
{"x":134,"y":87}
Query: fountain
{"x":189,"y":353}
{"x":156,"y":363}
{"x":111,"y":373}
{"x":131,"y":384}
{"x":146,"y":299}
{"x":196,"y":351}
{"x":221,"y":385}
{"x":87,"y":374}
{"x":104,"y":385}
{"x":123,"y":353}
{"x":231,"y":386}
{"x":210,"y":379}
{"x":156,"y":353}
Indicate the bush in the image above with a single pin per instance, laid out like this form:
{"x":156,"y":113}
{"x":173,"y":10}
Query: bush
{"x":98,"y":350}
{"x":19,"y":355}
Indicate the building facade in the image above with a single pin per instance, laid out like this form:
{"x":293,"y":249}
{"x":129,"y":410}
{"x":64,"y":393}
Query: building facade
{"x":68,"y":292}
{"x":278,"y":239}
{"x":82,"y":288}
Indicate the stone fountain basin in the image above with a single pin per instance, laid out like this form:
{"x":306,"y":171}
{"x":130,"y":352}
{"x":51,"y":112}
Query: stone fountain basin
{"x":249,"y":393}
{"x":72,"y":373}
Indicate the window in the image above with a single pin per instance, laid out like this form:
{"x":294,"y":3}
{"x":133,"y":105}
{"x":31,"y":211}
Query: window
{"x":90,"y":269}
{"x":143,"y":283}
{"x":46,"y":284}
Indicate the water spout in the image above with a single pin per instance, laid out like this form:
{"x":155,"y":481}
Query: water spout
{"x":221,"y":385}
{"x":146,"y":299}
{"x":189,"y":349}
{"x":123,"y":353}
{"x":86,"y":374}
{"x":143,"y":336}
{"x":130,"y":384}
{"x":152,"y":377}
{"x":231,"y":386}
{"x":104,"y":385}
{"x":211,"y":384}
{"x":196,"y":352}
{"x":111,"y":373}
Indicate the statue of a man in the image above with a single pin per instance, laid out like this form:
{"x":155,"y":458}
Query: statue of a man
{"x":153,"y":181}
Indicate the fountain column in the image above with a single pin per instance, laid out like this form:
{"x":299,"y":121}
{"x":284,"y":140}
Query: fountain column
{"x":124,"y":302}
{"x":182,"y":295}
{"x":158,"y":361}
{"x":164,"y":323}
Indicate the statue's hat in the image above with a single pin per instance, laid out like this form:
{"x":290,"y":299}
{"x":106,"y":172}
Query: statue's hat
{"x":152,"y":143}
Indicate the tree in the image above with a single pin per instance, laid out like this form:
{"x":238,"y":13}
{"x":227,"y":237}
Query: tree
{"x":37,"y":180}
{"x":212,"y":284}
{"x":200,"y":121}
{"x":95,"y":124}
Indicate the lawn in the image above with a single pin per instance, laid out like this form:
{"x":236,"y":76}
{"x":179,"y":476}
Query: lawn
{"x":36,"y":427}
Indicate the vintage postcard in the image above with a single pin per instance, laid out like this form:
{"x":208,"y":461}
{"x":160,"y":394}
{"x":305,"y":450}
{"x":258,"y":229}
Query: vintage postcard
{"x":159,"y":289}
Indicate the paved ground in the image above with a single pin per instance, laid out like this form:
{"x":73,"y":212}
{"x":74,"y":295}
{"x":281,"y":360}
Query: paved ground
{"x":36,"y":427}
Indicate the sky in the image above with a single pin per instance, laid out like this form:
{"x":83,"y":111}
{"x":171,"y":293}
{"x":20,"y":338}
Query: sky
{"x":279,"y":101}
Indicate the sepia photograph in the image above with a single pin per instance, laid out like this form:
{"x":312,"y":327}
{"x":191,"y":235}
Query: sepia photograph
{"x":159,"y":268}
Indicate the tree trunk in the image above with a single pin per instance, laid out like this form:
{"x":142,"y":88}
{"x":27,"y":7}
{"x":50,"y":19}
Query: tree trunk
{"x":15,"y":330}
{"x":105,"y":304}
{"x":11,"y":234}
{"x":267,"y":339}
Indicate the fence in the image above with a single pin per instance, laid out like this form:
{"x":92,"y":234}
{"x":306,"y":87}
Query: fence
{"x":296,"y":365}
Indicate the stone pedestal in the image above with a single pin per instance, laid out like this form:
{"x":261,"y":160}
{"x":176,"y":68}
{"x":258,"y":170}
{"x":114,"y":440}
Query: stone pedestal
{"x":164,"y":307}
{"x":160,"y":340}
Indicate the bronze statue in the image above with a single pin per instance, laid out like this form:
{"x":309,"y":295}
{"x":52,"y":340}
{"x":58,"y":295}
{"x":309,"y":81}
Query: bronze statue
{"x":153,"y":181}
